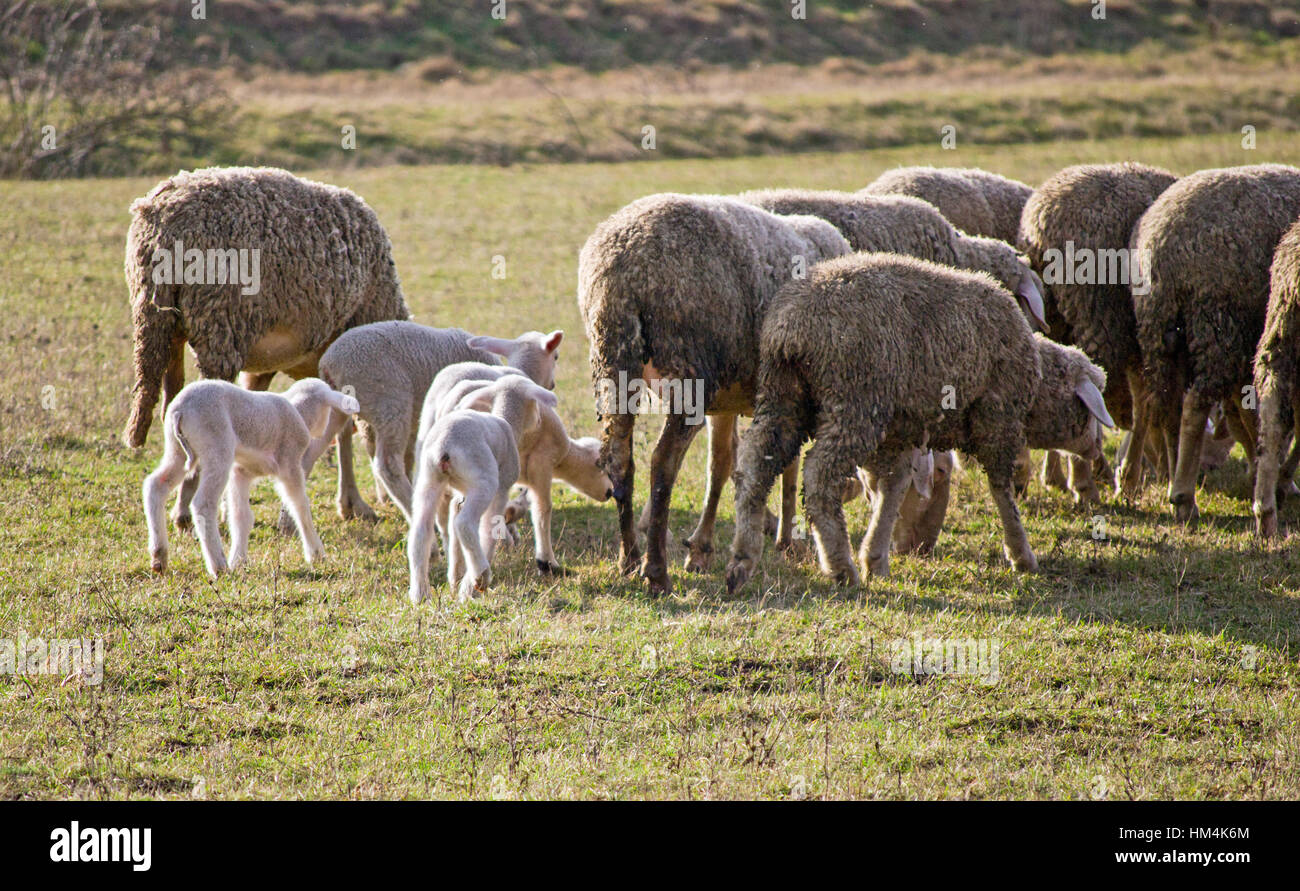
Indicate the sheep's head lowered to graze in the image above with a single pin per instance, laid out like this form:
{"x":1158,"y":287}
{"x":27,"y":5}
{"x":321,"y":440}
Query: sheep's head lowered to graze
{"x":1069,"y":411}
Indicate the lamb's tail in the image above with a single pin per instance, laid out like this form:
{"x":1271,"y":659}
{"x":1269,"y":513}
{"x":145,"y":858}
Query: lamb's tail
{"x":173,"y":427}
{"x":157,"y":328}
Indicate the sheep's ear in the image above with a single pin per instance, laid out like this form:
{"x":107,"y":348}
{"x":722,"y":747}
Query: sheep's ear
{"x":1030,"y":291}
{"x":1092,"y":398}
{"x":492,"y":344}
{"x":553,"y":341}
{"x":923,"y":472}
{"x":543,"y":396}
{"x":343,"y":402}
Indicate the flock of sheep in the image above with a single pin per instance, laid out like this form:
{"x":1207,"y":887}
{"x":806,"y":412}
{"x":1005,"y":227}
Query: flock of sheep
{"x":892,"y":326}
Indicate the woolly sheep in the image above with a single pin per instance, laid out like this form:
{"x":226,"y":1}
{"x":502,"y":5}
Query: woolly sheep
{"x":474,"y":453}
{"x":974,"y":200}
{"x":389,"y":367}
{"x":323,"y":264}
{"x":1088,"y":212}
{"x":1276,"y":379}
{"x":235,"y":436}
{"x":1206,"y":245}
{"x":952,"y":365}
{"x":674,"y":287}
{"x":904,"y":225}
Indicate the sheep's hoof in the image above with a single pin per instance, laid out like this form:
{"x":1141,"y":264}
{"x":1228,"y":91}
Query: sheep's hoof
{"x":738,"y":574}
{"x":418,"y":594}
{"x":356,"y":509}
{"x":183,"y":522}
{"x":1026,"y":562}
{"x":770,"y":524}
{"x":878,"y":566}
{"x":1266,"y":524}
{"x":1185,"y":509}
{"x":629,"y":560}
{"x":698,"y":557}
{"x":285,"y":525}
{"x":545,"y":567}
{"x":847,"y":575}
{"x":656,"y":575}
{"x":795,"y":549}
{"x":159,"y":562}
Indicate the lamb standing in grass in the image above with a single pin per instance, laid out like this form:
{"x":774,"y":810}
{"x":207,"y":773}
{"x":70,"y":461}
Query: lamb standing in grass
{"x":1206,"y":246}
{"x":675,"y":287}
{"x":474,"y":453}
{"x":546,"y":452}
{"x":389,"y":367}
{"x":234,"y":436}
{"x":1088,"y":211}
{"x":875,"y":355}
{"x":975,"y":201}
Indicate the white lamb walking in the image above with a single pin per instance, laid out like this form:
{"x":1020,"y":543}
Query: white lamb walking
{"x":235,"y":436}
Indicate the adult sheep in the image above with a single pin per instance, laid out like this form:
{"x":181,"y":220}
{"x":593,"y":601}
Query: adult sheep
{"x":1075,"y":229}
{"x":1206,"y":246}
{"x":674,"y":288}
{"x":973,"y":200}
{"x":901,"y":224}
{"x":322,"y":264}
{"x":1277,"y":362}
{"x":875,"y":355}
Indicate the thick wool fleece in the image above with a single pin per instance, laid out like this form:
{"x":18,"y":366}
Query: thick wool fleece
{"x":1210,"y":239}
{"x":325,"y":266}
{"x":1277,"y":362}
{"x":1094,"y":207}
{"x":1057,"y":415}
{"x":973,"y":200}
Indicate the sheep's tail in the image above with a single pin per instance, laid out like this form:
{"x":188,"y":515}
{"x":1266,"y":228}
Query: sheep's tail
{"x":157,"y":328}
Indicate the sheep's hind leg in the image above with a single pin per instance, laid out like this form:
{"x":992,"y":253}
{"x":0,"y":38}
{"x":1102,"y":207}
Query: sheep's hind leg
{"x":665,"y":462}
{"x":723,"y":441}
{"x":828,"y":463}
{"x":1187,"y":464}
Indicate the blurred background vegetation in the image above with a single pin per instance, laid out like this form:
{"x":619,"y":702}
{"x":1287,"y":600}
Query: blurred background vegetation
{"x":271,"y":81}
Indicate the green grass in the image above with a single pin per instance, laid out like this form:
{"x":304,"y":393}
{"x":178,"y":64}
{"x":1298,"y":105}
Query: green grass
{"x":1160,"y":663}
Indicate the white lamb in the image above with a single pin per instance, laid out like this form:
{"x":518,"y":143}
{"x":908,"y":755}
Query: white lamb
{"x":475,"y":454}
{"x":235,"y":436}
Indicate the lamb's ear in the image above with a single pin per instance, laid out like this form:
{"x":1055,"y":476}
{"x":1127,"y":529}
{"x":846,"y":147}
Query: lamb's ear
{"x":553,"y":341}
{"x":923,"y":472}
{"x":497,"y":345}
{"x":542,"y":395}
{"x":1092,"y":398}
{"x":1030,"y":290}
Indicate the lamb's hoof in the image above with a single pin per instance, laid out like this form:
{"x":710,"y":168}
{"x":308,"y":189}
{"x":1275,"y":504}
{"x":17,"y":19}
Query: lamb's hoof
{"x":770,"y":524}
{"x":481,"y":583}
{"x":546,"y":568}
{"x":738,"y":574}
{"x":1023,"y":563}
{"x":183,"y":522}
{"x":418,"y":594}
{"x":159,"y":562}
{"x":698,"y":557}
{"x":1266,"y":524}
{"x":656,"y":576}
{"x":285,"y":525}
{"x":359,"y":510}
{"x":1185,"y":510}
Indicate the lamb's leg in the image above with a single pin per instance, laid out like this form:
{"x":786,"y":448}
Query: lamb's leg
{"x":925,"y":534}
{"x":1187,"y":464}
{"x":350,"y":502}
{"x":493,"y":521}
{"x":1128,"y":478}
{"x":665,"y":462}
{"x":239,"y":515}
{"x":1246,"y":432}
{"x":785,"y":540}
{"x":828,"y":462}
{"x":1053,"y":473}
{"x":455,"y":556}
{"x":771,"y":444}
{"x":207,"y":501}
{"x":157,"y":486}
{"x":467,"y":522}
{"x":292,"y":486}
{"x":182,"y":512}
{"x":317,"y":447}
{"x":893,"y":477}
{"x":419,"y":541}
{"x":371,"y":438}
{"x":540,"y":510}
{"x":723,"y":441}
{"x":1015,"y":543}
{"x":390,"y":471}
{"x":1024,"y":471}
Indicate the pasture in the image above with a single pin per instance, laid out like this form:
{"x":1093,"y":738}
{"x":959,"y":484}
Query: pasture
{"x":1152,"y":662}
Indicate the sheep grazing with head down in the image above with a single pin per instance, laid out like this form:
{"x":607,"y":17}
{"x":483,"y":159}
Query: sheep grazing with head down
{"x":875,"y":355}
{"x":318,"y":262}
{"x":1277,"y":379}
{"x":389,"y":367}
{"x":975,"y":201}
{"x":675,"y":288}
{"x":901,"y":224}
{"x":235,"y":436}
{"x":1075,"y":229}
{"x":1205,"y":247}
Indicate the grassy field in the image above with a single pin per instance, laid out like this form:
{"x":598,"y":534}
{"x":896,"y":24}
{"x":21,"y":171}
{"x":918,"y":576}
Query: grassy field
{"x":1153,"y":663}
